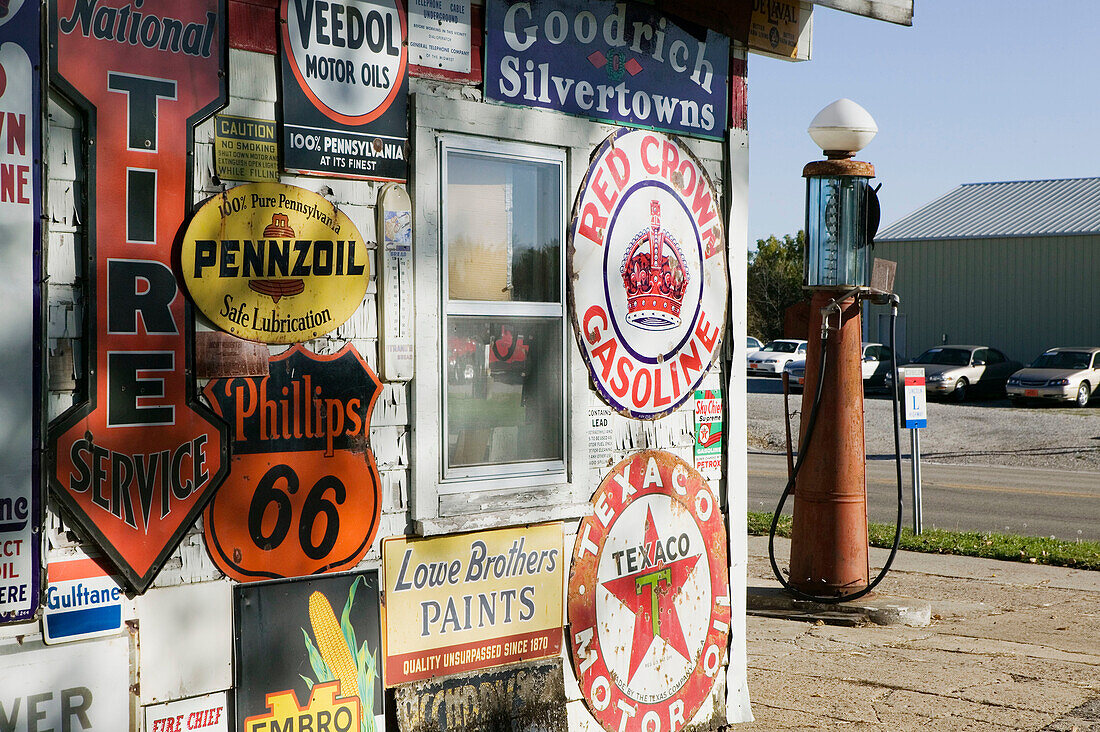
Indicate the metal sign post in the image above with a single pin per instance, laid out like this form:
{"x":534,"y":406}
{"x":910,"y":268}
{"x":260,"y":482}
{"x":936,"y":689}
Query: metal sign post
{"x":915,"y":411}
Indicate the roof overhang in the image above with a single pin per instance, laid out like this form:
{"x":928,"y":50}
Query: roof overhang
{"x":892,"y":11}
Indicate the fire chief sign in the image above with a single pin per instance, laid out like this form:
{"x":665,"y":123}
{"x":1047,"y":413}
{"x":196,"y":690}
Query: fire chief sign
{"x":647,"y":272}
{"x":303,"y":496}
{"x":649,"y":605}
{"x":136,"y":462}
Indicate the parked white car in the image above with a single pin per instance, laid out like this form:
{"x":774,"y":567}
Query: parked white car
{"x":770,"y":360}
{"x":1059,"y":374}
{"x":957,"y":372}
{"x":876,"y":364}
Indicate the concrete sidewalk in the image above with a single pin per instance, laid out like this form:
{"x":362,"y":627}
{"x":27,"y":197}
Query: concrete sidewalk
{"x":1010,"y":647}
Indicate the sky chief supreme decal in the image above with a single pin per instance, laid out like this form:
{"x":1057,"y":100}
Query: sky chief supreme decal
{"x":647,"y":272}
{"x":137,"y":461}
{"x":304,"y":494}
{"x":649,"y":605}
{"x":274,"y":263}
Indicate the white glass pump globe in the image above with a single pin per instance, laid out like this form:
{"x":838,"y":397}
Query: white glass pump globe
{"x":843,"y":126}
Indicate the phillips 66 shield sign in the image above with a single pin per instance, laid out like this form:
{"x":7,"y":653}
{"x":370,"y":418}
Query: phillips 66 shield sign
{"x":647,"y":272}
{"x":649,"y":605}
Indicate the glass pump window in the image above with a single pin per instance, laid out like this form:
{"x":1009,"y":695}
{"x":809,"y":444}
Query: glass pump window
{"x":503,"y":310}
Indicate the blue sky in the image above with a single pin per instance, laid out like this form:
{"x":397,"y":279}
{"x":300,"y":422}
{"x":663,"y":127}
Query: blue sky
{"x":974,"y":91}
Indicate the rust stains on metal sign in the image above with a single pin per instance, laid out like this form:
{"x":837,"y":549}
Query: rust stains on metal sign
{"x":649,"y":606}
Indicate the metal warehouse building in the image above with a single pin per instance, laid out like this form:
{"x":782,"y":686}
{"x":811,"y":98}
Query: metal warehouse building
{"x":1014,"y":265}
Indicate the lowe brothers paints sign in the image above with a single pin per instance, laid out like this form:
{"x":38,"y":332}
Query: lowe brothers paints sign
{"x":647,"y":272}
{"x":649,"y":604}
{"x":622,"y":63}
{"x":135,"y":463}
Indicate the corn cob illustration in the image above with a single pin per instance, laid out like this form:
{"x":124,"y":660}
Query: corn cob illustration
{"x":332,"y":645}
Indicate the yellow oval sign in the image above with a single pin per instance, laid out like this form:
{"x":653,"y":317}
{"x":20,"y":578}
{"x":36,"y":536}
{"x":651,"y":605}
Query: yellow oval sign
{"x":274,"y":263}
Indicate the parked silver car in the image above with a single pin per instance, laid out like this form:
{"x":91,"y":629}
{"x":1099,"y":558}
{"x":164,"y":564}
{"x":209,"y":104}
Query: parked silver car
{"x":1059,"y":374}
{"x":957,"y":372}
{"x":770,"y":360}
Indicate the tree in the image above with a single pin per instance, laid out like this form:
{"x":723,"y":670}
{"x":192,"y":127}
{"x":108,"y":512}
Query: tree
{"x":774,"y":283}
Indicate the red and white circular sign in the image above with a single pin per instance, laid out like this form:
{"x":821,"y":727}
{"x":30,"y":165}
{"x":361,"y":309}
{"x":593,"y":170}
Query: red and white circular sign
{"x":348,"y":56}
{"x":647,"y":272}
{"x":649,"y":606}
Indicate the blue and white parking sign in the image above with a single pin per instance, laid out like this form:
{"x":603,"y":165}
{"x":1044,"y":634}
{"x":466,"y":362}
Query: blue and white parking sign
{"x":915,"y":402}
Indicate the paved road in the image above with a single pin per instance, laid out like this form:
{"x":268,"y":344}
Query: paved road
{"x":1030,"y":501}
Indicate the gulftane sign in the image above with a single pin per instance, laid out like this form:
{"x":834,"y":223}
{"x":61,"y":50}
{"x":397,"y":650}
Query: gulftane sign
{"x":82,"y":601}
{"x":647,"y":273}
{"x":274,"y":263}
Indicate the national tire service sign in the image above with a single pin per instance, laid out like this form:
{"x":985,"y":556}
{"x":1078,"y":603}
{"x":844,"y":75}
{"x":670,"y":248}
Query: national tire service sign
{"x":647,"y":272}
{"x":648,"y":602}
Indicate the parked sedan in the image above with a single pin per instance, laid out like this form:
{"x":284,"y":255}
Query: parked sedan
{"x":876,"y":365}
{"x":771,"y":359}
{"x":958,"y":371}
{"x":1060,"y":374}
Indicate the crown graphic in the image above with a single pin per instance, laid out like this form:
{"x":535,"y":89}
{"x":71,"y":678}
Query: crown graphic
{"x":654,"y":275}
{"x":277,"y":289}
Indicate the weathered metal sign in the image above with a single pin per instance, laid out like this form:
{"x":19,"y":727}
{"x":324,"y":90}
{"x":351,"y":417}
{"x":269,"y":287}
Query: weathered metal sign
{"x":344,"y":66}
{"x":521,"y":697}
{"x":21,"y":500}
{"x":304,"y":493}
{"x":205,"y":713}
{"x":472,"y":601}
{"x":395,"y":283}
{"x":624,"y":63}
{"x":274,"y":263}
{"x":83,"y":600}
{"x":708,"y":432}
{"x":649,"y":605}
{"x":647,"y":272}
{"x":85,"y":686}
{"x":306,"y":655}
{"x":245,"y":149}
{"x":135,"y":463}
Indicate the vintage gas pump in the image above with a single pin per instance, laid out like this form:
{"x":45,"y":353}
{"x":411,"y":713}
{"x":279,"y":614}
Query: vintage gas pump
{"x":829,"y":557}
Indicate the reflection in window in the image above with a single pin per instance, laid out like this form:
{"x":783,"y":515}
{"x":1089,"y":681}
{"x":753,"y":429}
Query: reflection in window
{"x":504,"y":363}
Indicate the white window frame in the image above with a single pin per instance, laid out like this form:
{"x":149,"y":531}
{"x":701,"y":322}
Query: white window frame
{"x":438,"y":505}
{"x":518,"y":474}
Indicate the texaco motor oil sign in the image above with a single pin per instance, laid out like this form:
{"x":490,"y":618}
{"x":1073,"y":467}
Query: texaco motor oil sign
{"x":649,"y":605}
{"x":647,"y":272}
{"x":274,"y":263}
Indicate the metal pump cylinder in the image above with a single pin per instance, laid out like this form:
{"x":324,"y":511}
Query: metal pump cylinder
{"x":840,"y":208}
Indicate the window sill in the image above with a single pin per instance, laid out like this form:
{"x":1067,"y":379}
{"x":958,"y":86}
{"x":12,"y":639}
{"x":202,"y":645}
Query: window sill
{"x":501,"y":518}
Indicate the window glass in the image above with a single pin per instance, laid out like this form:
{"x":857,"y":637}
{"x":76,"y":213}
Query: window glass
{"x":503,"y":229}
{"x":504,"y":361}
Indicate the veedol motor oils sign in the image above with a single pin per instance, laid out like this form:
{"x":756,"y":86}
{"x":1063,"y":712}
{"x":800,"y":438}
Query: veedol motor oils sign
{"x":304,"y":493}
{"x":345,"y":88}
{"x":21,"y":500}
{"x":649,"y":604}
{"x":135,"y":463}
{"x":274,"y":263}
{"x":647,"y":273}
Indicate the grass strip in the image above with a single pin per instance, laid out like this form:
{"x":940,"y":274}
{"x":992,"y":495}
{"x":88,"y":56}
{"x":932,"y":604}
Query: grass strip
{"x":987,"y":545}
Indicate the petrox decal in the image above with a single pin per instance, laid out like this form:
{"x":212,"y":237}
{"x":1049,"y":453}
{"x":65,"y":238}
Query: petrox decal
{"x":274,"y":263}
{"x":647,"y":272}
{"x":304,"y":494}
{"x":648,"y":600}
{"x":137,"y":461}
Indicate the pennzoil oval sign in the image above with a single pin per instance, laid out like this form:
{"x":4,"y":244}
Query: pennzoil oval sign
{"x":647,"y":272}
{"x":649,"y":605}
{"x":274,"y":263}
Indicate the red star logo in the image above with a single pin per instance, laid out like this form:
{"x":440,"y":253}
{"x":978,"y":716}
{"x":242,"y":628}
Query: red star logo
{"x":650,"y":594}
